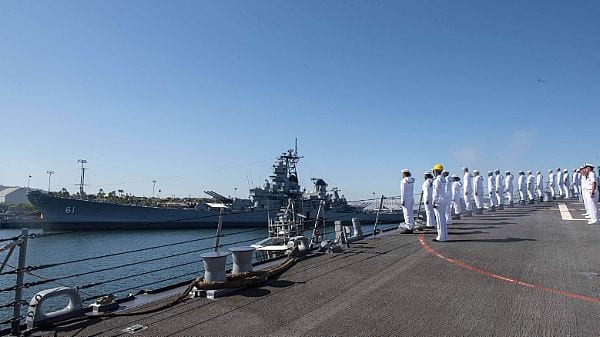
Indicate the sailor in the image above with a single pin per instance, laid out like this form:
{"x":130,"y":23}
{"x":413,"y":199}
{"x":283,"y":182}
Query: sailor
{"x":508,"y":183}
{"x":539,"y":186}
{"x":456,"y":200}
{"x":522,"y":187}
{"x":439,"y":203}
{"x":530,"y":187}
{"x":577,"y":182}
{"x":446,"y":175}
{"x":559,"y":183}
{"x":552,"y":184}
{"x":566,"y":184}
{"x":589,"y":186}
{"x":467,"y":188}
{"x":478,"y":191}
{"x":499,"y":190}
{"x":406,"y":198}
{"x":427,"y":191}
{"x":492,"y":191}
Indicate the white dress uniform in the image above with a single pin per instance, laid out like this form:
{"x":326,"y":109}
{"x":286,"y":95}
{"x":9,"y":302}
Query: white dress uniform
{"x":407,"y":199}
{"x":499,"y":190}
{"x":456,"y":200}
{"x":552,"y":183}
{"x":522,"y":186}
{"x":566,"y":184}
{"x":492,"y":190}
{"x":439,"y":207}
{"x":530,"y":187}
{"x":448,"y":198}
{"x":539,"y":186}
{"x":478,"y":191}
{"x":577,"y":182}
{"x":590,"y":202}
{"x":559,"y":182}
{"x":509,"y":187}
{"x":467,"y":188}
{"x":427,"y":191}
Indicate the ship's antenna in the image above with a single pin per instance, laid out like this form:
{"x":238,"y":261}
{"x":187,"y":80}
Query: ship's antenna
{"x":82,"y":183}
{"x":296,"y":146}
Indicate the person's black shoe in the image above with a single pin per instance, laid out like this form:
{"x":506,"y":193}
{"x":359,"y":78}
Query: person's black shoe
{"x":406,"y":231}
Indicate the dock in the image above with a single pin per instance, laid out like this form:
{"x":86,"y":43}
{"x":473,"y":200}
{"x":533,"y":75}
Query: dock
{"x":532,"y":270}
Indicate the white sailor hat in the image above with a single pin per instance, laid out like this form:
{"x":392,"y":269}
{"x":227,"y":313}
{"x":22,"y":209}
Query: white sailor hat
{"x":405,"y":171}
{"x":588,"y":165}
{"x":538,"y":172}
{"x":490,"y":173}
{"x":465,"y":168}
{"x":565,"y":170}
{"x":521,"y":172}
{"x":497,"y":171}
{"x":475,"y":171}
{"x":529,"y":172}
{"x":454,"y":176}
{"x":549,"y":171}
{"x":507,"y":172}
{"x":445,"y":172}
{"x":427,"y":173}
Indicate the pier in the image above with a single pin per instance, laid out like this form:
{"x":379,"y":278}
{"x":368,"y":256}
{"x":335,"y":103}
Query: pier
{"x":526,"y":271}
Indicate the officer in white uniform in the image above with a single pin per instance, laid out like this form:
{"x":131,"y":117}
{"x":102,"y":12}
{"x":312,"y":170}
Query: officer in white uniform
{"x":407,"y":186}
{"x":446,"y":175}
{"x":522,"y":186}
{"x":559,"y":183}
{"x":552,"y":184}
{"x":539,"y":186}
{"x":589,"y":190}
{"x":467,"y":189}
{"x":530,"y":187}
{"x":439,"y":203}
{"x":478,"y":191}
{"x":427,"y":191}
{"x":492,"y":191}
{"x":456,"y":200}
{"x":566,"y":184}
{"x":508,"y":183}
{"x":499,"y":190}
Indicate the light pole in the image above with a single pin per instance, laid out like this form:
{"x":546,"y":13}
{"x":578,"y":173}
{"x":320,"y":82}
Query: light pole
{"x":28,"y":181}
{"x":153,"y":185}
{"x":50,"y":173}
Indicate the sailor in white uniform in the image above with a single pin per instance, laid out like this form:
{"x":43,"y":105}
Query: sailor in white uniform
{"x":456,"y":199}
{"x":522,"y":186}
{"x":427,"y":199}
{"x":539,"y":186}
{"x":499,"y":189}
{"x":577,"y":182}
{"x":508,"y":183}
{"x":478,"y":191}
{"x":552,"y":184}
{"x":446,"y":175}
{"x":491,"y":182}
{"x":439,"y":203}
{"x":566,"y":184}
{"x":589,"y":190}
{"x":530,"y":187}
{"x":407,"y":186}
{"x":467,"y":189}
{"x":559,"y":183}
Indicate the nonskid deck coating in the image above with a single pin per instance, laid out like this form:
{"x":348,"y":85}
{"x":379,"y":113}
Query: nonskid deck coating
{"x":393,"y":286}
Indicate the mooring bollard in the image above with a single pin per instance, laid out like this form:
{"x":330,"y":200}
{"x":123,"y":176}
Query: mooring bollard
{"x":242,"y":259}
{"x":357,"y":229}
{"x":214,"y":266}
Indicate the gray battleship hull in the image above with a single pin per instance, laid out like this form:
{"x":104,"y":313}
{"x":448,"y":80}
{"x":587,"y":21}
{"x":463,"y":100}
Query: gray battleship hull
{"x":75,"y":214}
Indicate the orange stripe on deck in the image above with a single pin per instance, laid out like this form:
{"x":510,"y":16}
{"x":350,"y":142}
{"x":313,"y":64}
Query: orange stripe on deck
{"x":503,"y":278}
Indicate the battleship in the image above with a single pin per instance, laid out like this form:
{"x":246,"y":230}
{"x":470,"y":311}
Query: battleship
{"x":84,"y":213}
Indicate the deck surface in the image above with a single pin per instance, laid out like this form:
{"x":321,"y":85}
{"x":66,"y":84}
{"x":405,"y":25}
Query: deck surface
{"x":518,"y":272}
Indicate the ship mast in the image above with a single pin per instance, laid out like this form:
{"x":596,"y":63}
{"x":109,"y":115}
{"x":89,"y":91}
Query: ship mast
{"x":82,"y":182}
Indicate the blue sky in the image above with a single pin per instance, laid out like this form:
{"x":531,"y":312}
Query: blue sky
{"x":205,"y":94}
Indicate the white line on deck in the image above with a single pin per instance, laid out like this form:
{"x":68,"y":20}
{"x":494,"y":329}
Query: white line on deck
{"x":565,"y":214}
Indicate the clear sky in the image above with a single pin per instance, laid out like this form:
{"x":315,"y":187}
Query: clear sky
{"x":205,"y":94}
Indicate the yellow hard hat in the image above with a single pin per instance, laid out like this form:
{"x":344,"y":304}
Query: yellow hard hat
{"x":437,"y":167}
